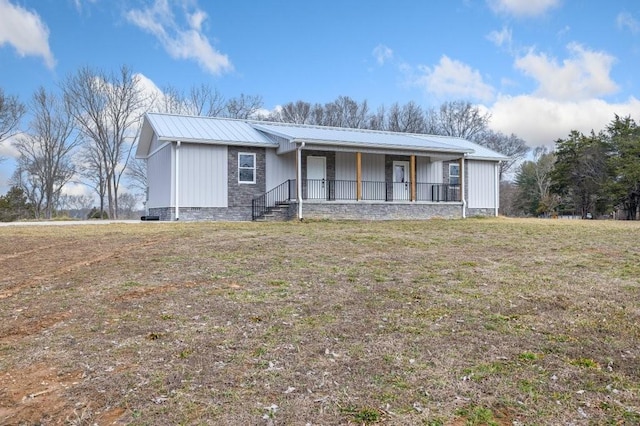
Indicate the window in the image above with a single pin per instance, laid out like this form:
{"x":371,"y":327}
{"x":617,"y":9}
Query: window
{"x":454,"y":174}
{"x":246,"y":168}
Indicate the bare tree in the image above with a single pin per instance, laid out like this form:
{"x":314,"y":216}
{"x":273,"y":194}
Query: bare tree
{"x":509,"y":145}
{"x":206,"y":100}
{"x":534,"y":184}
{"x":408,"y":119}
{"x":317,"y":115}
{"x":457,"y":118}
{"x":378,"y":120}
{"x":11,"y":112}
{"x":345,"y":112}
{"x":91,"y":167}
{"x":170,"y":101}
{"x":243,"y":107}
{"x":544,"y":164}
{"x":137,"y":174}
{"x":46,"y":151}
{"x":202,"y":100}
{"x":107,"y":109}
{"x":127,"y":205}
{"x":76,"y":205}
{"x":298,"y":112}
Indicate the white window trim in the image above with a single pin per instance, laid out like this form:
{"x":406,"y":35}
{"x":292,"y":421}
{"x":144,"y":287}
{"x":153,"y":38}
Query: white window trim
{"x":451,"y":165}
{"x":254,"y":168}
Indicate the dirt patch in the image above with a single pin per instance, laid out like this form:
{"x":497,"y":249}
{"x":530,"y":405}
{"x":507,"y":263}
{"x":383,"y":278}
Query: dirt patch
{"x":36,"y":394}
{"x":76,"y":260}
{"x":22,"y":327}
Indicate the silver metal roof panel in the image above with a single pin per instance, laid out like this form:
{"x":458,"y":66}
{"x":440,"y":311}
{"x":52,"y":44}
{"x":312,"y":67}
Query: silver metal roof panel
{"x":365,"y":138}
{"x":190,"y":128}
{"x":479,"y":152}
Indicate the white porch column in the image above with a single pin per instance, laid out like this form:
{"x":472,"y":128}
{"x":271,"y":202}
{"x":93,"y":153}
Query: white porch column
{"x":299,"y":179}
{"x":358,"y":176}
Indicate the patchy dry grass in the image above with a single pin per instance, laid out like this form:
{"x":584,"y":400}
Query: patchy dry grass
{"x":439,"y":322}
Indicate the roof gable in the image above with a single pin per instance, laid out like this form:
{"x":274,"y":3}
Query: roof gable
{"x":208,"y":130}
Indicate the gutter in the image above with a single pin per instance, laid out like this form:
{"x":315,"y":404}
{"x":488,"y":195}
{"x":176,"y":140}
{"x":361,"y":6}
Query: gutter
{"x":496,"y":201}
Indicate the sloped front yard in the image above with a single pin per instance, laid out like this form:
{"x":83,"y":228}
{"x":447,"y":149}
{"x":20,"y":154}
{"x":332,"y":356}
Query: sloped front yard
{"x":479,"y":321}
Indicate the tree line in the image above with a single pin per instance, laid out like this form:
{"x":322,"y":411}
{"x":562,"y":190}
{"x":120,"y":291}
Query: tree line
{"x":594,"y":175}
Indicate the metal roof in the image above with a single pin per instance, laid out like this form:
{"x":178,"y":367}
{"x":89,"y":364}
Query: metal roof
{"x":479,"y":152}
{"x":365,"y":138}
{"x":224,"y":131}
{"x":169,"y":127}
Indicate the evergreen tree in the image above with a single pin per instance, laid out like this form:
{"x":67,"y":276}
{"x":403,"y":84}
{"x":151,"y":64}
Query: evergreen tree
{"x":624,"y":143}
{"x":14,"y":205}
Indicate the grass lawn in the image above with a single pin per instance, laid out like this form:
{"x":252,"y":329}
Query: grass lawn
{"x":440,"y":322}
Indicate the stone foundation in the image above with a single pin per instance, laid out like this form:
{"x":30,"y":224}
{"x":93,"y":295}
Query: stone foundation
{"x":189,"y":214}
{"x":486,"y":212}
{"x":381,"y":211}
{"x":330,"y":210}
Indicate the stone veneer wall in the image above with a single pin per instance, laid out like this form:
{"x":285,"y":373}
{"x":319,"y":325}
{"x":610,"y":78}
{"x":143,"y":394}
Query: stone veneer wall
{"x":381,"y":211}
{"x":241,"y":194}
{"x":189,"y":214}
{"x":485,"y":212}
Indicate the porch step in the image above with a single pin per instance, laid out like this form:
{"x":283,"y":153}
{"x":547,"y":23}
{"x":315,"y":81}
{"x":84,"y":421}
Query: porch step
{"x":275,"y":214}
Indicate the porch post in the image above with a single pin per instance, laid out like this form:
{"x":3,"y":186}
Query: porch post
{"x":299,"y":179}
{"x":412,"y":173}
{"x":358,"y":176}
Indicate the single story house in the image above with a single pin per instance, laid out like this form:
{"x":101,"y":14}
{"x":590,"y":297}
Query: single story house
{"x":203,"y":168}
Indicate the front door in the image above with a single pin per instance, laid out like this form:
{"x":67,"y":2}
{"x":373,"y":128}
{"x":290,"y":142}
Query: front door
{"x":316,"y":177}
{"x":401,"y":177}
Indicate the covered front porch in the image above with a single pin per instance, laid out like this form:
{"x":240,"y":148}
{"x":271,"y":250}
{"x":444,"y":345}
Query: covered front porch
{"x":360,"y":184}
{"x":333,"y":199}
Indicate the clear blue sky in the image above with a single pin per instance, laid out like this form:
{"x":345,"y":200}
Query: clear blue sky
{"x":540,"y":67}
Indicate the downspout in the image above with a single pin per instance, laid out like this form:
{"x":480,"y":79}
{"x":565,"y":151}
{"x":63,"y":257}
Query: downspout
{"x":496,"y":202}
{"x":462,"y":186}
{"x":177,"y":180}
{"x":299,"y":180}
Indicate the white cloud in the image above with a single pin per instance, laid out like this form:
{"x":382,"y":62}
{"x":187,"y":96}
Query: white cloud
{"x":25,"y":31}
{"x":8,"y":154}
{"x":627,"y":21}
{"x":150,"y":91}
{"x":382,"y":53}
{"x":584,"y":75}
{"x":501,"y":38}
{"x":196,"y":19}
{"x":451,"y":78}
{"x":541,"y":121}
{"x":7,"y":150}
{"x":181,"y":42}
{"x":522,"y":8}
{"x":80,"y":3}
